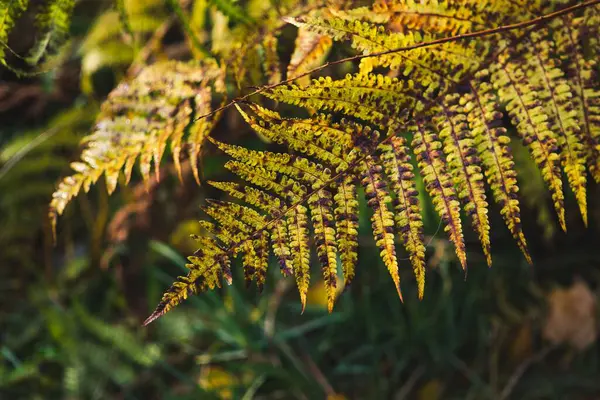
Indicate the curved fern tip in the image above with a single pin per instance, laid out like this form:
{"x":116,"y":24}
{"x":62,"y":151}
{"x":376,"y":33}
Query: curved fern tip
{"x":399,"y":291}
{"x":155,"y":315}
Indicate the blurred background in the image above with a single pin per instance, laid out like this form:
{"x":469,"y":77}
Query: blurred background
{"x":71,"y":314}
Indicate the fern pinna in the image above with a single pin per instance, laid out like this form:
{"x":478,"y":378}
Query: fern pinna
{"x":447,"y":103}
{"x":52,"y":22}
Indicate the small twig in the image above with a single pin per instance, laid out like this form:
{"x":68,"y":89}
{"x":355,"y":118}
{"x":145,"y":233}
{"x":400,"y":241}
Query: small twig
{"x":19,"y":155}
{"x":521,"y":369}
{"x":485,"y":32}
{"x":318,"y":375}
{"x":274,"y":302}
{"x":410,"y":383}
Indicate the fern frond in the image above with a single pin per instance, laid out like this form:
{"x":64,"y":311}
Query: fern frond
{"x":52,"y":22}
{"x":271,"y":59}
{"x":138,"y":120}
{"x":298,"y":228}
{"x":590,"y":29}
{"x":10,"y":11}
{"x":409,"y":223}
{"x":310,"y":50}
{"x":422,"y":64}
{"x":373,"y":98}
{"x":428,"y":16}
{"x":439,"y":184}
{"x":204,"y":274}
{"x":484,"y":118}
{"x":583,"y":80}
{"x":328,"y":142}
{"x":244,"y":221}
{"x":271,"y":205}
{"x":530,"y":100}
{"x":382,"y":220}
{"x":447,"y":96}
{"x":346,"y":227}
{"x":321,"y":209}
{"x":464,"y":165}
{"x":318,"y":137}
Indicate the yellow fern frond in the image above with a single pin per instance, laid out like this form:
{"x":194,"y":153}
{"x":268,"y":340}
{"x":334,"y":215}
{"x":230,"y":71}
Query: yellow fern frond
{"x":382,"y":220}
{"x":310,"y":50}
{"x":409,"y":223}
{"x":271,"y":205}
{"x":428,"y":64}
{"x":429,"y":16}
{"x":10,"y":11}
{"x":584,"y":87}
{"x":439,"y":185}
{"x":346,"y":227}
{"x":481,"y":108}
{"x":297,"y":227}
{"x":321,"y":209}
{"x":530,"y":100}
{"x":138,"y":120}
{"x":205,"y":273}
{"x":448,"y":97}
{"x":464,"y":165}
{"x":372,"y":98}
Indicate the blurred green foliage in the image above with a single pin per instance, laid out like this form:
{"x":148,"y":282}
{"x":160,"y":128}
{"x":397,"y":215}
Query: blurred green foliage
{"x":70,"y":315}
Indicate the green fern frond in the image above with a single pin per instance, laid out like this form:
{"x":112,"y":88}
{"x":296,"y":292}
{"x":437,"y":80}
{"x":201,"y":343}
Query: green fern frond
{"x":138,"y":120}
{"x":10,"y":11}
{"x":52,"y":22}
